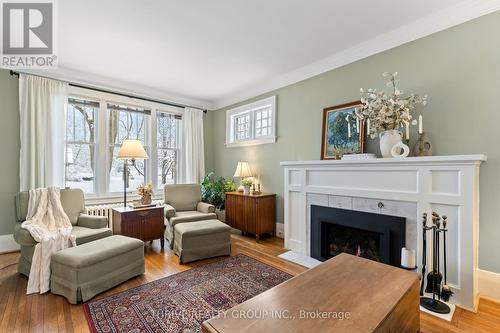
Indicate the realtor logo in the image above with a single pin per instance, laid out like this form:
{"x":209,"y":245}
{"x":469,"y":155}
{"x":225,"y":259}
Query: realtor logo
{"x":28,"y":34}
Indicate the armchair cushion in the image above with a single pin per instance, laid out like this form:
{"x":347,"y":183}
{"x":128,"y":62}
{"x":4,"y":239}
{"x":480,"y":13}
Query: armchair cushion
{"x":169,"y":211}
{"x":182,"y":217}
{"x":22,"y":236}
{"x":204,"y":207}
{"x":91,"y":221}
{"x":191,"y":216}
{"x":82,"y":234}
{"x":85,"y":235}
{"x":183,"y":197}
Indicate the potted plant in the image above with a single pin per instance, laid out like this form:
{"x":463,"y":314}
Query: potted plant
{"x":246,"y":183}
{"x":385,"y":113}
{"x":213,"y":191}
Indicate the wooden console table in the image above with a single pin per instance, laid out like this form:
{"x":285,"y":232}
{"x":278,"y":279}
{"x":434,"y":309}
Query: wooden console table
{"x":377,"y":297}
{"x":146,"y":224}
{"x":251,"y":213}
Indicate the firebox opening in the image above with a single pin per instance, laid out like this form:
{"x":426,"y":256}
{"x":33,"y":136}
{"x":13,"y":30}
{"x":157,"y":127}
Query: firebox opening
{"x":377,"y":237}
{"x":358,"y":242}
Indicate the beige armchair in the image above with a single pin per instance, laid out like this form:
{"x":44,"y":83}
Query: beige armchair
{"x":183,"y":204}
{"x":86,"y":228}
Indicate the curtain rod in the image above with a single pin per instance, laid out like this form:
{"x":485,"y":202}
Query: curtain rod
{"x":119,"y":93}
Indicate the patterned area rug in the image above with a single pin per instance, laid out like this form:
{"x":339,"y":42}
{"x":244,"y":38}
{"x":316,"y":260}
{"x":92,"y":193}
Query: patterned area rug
{"x":181,"y":302}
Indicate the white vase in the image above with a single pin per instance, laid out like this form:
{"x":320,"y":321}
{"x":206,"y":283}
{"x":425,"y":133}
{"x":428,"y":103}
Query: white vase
{"x":246,"y":189}
{"x":387,"y":140}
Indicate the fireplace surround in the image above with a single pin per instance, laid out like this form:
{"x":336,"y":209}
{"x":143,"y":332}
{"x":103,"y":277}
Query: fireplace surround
{"x":406,"y":187}
{"x":377,"y":237}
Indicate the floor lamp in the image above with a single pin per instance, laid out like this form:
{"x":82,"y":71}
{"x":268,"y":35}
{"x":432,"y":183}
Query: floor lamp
{"x":130,"y":150}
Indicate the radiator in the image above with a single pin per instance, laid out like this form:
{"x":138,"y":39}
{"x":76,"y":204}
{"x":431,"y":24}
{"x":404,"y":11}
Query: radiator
{"x":106,"y":210}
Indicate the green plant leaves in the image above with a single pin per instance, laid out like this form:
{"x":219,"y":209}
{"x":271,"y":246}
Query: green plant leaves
{"x":213,"y":190}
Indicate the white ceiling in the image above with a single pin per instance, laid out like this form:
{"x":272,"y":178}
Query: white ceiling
{"x":214,"y":53}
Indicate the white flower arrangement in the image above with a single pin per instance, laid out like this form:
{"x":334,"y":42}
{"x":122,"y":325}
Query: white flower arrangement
{"x":387,"y":111}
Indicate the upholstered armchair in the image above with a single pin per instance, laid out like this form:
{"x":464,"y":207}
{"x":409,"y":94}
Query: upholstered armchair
{"x":183,"y":204}
{"x":86,"y":228}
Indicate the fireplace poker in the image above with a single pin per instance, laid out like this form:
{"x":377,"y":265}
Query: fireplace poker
{"x":424,"y":252}
{"x":446,"y":291}
{"x":433,"y":304}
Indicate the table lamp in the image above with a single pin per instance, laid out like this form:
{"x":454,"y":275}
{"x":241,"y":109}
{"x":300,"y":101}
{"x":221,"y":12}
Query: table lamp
{"x":130,"y":150}
{"x":242,"y":171}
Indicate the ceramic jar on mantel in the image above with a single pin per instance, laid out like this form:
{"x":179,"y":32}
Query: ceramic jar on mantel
{"x":389,"y":139}
{"x":423,"y":147}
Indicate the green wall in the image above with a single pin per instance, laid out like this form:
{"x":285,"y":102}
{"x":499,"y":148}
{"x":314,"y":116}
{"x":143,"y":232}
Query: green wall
{"x":460,"y":71}
{"x":9,"y":150}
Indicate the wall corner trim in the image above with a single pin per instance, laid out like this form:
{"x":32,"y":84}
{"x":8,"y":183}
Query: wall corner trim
{"x":489,"y":284}
{"x":8,"y":244}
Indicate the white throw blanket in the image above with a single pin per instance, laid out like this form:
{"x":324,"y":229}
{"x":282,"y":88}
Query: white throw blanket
{"x":49,"y":225}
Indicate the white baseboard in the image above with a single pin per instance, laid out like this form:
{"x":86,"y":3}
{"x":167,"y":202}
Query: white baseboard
{"x":489,"y":285}
{"x":8,"y":244}
{"x":280,"y":230}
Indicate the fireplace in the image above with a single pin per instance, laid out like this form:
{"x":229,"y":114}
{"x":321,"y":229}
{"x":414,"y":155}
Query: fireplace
{"x":376,"y":237}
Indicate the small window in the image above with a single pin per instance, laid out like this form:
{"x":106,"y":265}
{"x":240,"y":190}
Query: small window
{"x":252,"y":124}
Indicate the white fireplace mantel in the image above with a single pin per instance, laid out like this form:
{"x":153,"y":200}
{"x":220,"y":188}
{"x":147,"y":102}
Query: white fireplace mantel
{"x":405,"y":187}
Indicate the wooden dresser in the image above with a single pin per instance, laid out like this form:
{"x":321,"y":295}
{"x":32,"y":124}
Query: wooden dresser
{"x":146,"y":224}
{"x":254,"y":214}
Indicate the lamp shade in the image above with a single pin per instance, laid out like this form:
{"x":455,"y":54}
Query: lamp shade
{"x":132,"y":149}
{"x":243,"y":170}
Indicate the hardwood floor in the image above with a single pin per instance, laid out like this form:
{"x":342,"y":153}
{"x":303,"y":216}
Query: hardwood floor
{"x":50,"y":313}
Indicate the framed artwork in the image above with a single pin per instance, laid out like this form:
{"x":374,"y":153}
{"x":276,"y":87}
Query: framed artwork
{"x":342,"y":132}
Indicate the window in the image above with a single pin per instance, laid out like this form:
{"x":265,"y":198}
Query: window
{"x":80,"y":144}
{"x":167,"y":143}
{"x":126,"y":123}
{"x":242,"y":127}
{"x":252,"y":124}
{"x":263,"y":121}
{"x":97,"y":125}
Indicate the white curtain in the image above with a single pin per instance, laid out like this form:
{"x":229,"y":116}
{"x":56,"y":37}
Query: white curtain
{"x":193,"y":149}
{"x":42,"y":118}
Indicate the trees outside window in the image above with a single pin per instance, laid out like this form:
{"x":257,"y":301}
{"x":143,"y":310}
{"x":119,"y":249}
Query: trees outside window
{"x":95,"y":130}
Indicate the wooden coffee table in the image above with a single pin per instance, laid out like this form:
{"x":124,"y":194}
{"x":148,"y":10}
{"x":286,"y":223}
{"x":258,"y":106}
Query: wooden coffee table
{"x":368,"y":296}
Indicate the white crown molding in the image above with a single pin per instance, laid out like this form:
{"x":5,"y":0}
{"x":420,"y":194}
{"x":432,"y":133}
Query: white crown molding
{"x":427,"y":25}
{"x":105,"y":83}
{"x":454,"y":15}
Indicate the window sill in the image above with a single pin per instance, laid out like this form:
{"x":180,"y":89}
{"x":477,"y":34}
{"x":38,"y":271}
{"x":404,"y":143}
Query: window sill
{"x":113,"y":199}
{"x":255,"y":142}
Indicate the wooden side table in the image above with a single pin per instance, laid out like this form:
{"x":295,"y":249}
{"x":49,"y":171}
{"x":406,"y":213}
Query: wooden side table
{"x":146,"y":224}
{"x":255,"y":214}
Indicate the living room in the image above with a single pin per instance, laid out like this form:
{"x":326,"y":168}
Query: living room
{"x":249,"y":166}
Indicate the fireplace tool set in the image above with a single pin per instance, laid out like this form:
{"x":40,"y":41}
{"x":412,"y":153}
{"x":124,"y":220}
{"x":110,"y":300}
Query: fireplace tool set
{"x":435,"y":284}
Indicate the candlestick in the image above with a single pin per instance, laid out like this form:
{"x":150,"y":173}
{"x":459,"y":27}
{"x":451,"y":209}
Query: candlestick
{"x":368,"y":126}
{"x":407,"y":130}
{"x":357,"y":125}
{"x":420,"y":125}
{"x":349,"y":130}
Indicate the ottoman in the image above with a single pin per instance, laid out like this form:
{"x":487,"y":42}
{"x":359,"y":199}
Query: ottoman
{"x":201,"y":240}
{"x":81,"y":272}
